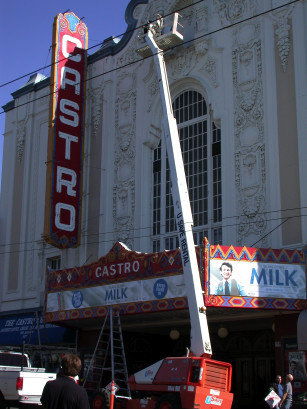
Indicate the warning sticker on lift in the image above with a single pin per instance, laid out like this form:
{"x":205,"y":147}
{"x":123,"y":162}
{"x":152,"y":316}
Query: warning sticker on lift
{"x":213,"y":400}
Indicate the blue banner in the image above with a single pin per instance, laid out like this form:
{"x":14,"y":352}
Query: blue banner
{"x":16,"y":329}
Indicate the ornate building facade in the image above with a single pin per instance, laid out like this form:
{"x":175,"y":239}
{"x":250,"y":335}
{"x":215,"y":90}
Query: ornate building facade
{"x":238,"y":84}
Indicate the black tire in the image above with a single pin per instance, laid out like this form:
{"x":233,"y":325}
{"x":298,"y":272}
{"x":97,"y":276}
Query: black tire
{"x":169,"y":401}
{"x":100,"y":400}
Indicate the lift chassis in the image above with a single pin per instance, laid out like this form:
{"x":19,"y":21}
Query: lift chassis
{"x":195,"y":381}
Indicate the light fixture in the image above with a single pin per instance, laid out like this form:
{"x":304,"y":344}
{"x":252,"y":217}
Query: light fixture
{"x":174,"y":334}
{"x":222,"y":332}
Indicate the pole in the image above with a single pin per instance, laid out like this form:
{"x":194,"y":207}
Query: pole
{"x":112,"y":396}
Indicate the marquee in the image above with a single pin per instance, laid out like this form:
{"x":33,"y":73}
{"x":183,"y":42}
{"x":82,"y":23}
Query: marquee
{"x":139,"y":283}
{"x":134,"y":282}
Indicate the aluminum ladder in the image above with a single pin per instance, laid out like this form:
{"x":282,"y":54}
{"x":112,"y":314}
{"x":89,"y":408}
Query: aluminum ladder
{"x":108,"y":363}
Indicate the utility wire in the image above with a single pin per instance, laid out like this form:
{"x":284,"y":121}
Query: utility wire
{"x":117,"y":68}
{"x":263,"y":237}
{"x":196,"y":227}
{"x":150,"y":56}
{"x":99,"y":241}
{"x":96,"y":45}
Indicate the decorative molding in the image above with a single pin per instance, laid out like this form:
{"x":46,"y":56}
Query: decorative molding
{"x":124,"y":166}
{"x":22,"y":118}
{"x":153,"y":138}
{"x":201,"y":47}
{"x":183,"y":62}
{"x":21,"y":138}
{"x":153,"y":90}
{"x":201,"y":20}
{"x":250,"y":174}
{"x":151,"y":82}
{"x":95,"y":97}
{"x":282,"y":30}
{"x":130,"y":55}
{"x":209,"y":69}
{"x":232,"y":11}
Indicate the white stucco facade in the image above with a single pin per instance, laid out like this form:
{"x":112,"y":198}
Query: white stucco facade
{"x":248,"y":61}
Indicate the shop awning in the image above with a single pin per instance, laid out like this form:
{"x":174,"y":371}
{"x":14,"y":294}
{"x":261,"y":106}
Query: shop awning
{"x":16,"y":329}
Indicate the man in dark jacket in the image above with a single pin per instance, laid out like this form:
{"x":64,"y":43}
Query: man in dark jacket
{"x":64,"y":392}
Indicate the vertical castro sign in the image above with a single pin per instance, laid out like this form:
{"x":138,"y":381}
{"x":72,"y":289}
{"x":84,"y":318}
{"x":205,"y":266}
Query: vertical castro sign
{"x":66,"y":132}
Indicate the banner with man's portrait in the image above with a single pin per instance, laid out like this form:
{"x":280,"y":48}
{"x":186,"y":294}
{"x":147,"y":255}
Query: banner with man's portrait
{"x":251,"y":277}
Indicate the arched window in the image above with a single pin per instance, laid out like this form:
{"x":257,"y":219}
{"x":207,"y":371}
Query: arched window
{"x":200,"y":143}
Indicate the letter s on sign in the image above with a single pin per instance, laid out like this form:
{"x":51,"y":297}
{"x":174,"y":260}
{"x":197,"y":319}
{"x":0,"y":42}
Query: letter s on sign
{"x":65,"y":104}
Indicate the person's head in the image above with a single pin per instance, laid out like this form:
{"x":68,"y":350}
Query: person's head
{"x":289,"y":378}
{"x":226,"y":270}
{"x":292,"y":365}
{"x":71,"y":365}
{"x":278,"y":379}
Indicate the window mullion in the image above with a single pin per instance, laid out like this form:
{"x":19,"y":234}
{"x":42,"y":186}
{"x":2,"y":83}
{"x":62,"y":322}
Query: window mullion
{"x":200,"y":146}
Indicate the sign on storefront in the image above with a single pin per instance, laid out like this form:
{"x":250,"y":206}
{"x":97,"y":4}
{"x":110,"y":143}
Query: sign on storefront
{"x":66,"y":132}
{"x":16,"y":329}
{"x":250,"y":277}
{"x":134,"y":282}
{"x":151,"y":282}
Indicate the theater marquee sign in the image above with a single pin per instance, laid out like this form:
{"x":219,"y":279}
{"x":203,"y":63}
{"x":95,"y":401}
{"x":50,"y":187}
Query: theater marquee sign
{"x":138,"y":283}
{"x":134,"y":282}
{"x":66,"y":132}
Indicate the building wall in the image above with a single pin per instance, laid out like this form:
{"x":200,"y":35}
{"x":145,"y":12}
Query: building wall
{"x":253,"y":76}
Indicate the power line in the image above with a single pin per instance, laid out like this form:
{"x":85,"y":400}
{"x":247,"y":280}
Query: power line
{"x":100,"y":241}
{"x":196,"y":227}
{"x":263,"y":237}
{"x":150,"y":56}
{"x":89,"y":48}
{"x":222,"y":28}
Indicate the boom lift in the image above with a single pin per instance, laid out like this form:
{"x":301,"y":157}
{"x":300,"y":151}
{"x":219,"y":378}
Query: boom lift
{"x":194,"y":381}
{"x":200,"y":340}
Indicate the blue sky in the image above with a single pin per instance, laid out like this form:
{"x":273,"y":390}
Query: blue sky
{"x":26,"y":35}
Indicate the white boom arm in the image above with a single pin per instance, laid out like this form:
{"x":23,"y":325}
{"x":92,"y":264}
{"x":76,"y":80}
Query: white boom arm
{"x":200,"y":339}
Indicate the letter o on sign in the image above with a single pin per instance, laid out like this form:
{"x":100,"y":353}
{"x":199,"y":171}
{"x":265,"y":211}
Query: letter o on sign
{"x":72,"y":216}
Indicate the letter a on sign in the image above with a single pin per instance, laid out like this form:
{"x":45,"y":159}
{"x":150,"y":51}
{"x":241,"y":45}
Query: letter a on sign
{"x":66,"y":132}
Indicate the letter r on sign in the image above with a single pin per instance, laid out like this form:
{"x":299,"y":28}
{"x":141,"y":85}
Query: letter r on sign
{"x":70,"y":184}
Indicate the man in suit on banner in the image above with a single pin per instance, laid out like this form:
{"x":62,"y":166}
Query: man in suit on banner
{"x":228,"y":285}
